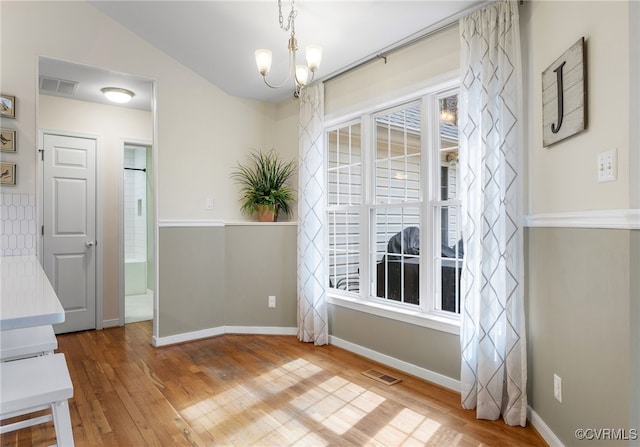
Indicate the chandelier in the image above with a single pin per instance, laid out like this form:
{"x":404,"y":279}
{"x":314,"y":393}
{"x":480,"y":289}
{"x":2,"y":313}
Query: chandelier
{"x":302,"y":74}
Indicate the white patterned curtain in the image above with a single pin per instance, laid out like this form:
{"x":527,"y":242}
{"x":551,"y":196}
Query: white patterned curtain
{"x":492,"y":333}
{"x":312,"y":302}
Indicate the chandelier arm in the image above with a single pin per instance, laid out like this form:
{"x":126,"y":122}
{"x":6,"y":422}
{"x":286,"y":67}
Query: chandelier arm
{"x":264,"y":64}
{"x":292,"y":56}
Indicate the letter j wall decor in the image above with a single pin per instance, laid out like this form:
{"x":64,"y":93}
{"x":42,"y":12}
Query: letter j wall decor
{"x":564,"y":95}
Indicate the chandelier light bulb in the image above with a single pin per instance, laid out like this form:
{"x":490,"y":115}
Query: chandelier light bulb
{"x":314,"y":56}
{"x":263,"y":61}
{"x":302,"y":75}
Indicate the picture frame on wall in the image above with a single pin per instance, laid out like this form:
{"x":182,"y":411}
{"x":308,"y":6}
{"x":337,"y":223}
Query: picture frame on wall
{"x":7,"y":106}
{"x":564,"y":95}
{"x":7,"y":173}
{"x":8,"y":140}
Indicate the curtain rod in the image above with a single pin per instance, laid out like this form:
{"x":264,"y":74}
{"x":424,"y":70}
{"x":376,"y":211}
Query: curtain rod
{"x":443,"y":24}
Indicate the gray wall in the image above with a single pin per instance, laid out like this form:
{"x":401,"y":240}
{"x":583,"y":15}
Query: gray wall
{"x":578,"y":308}
{"x":221,"y":276}
{"x":192,"y":279}
{"x":434,"y":350}
{"x":261,"y":261}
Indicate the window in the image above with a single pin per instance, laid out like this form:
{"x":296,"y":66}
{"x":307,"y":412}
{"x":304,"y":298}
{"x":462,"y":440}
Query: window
{"x":396,"y":206}
{"x":344,"y":201}
{"x":393,"y":207}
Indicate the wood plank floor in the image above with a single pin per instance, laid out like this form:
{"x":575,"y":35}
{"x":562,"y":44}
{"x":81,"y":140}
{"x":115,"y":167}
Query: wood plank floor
{"x":246,"y":390}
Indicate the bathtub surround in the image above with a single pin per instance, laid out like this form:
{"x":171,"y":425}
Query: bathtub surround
{"x":17,"y":224}
{"x":135,"y":220}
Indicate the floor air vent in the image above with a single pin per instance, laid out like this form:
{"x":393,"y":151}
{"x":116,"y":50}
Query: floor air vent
{"x":381,"y":377}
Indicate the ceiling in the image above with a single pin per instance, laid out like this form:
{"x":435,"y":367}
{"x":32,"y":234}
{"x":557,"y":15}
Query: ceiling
{"x":89,"y":82}
{"x":217,"y":39}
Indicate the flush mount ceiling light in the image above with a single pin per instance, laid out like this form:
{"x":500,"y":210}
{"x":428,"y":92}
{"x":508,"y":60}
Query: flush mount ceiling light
{"x":302,"y":74}
{"x":119,"y":95}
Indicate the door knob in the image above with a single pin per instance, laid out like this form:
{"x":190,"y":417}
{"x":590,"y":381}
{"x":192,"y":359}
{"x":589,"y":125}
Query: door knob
{"x":90,"y":243}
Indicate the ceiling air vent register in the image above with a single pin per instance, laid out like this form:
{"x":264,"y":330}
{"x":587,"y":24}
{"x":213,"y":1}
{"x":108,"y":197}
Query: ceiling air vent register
{"x":59,"y":86}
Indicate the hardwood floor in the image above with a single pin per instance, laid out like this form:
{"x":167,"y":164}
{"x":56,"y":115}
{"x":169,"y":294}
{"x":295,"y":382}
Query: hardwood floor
{"x":244,"y":390}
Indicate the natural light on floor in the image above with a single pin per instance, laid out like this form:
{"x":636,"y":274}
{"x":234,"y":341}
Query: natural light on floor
{"x":335,"y":403}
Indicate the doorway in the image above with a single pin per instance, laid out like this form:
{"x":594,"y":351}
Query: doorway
{"x":137,"y":213}
{"x":70,"y":102}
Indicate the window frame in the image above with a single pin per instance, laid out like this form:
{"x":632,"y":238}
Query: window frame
{"x":426,"y":313}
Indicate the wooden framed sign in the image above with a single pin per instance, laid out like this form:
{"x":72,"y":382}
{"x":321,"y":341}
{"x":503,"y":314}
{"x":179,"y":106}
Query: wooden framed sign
{"x":564,"y":95}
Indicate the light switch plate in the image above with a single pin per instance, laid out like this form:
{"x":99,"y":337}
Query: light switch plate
{"x":608,"y":166}
{"x":557,"y":387}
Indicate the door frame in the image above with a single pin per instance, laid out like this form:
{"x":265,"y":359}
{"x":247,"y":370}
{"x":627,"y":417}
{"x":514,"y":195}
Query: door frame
{"x":99,"y":210}
{"x":121,"y":279}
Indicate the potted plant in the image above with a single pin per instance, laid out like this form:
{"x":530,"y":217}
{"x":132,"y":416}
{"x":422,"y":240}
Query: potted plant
{"x":264,"y":181}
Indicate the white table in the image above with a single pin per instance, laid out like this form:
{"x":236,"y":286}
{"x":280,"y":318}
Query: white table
{"x":27,"y":298}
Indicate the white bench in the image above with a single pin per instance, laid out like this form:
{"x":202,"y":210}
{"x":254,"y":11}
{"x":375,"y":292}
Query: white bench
{"x":27,"y":342}
{"x":35,"y":384}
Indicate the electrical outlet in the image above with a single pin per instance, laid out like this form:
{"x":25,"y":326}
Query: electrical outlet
{"x":607,"y":166}
{"x":272,"y":301}
{"x":557,"y":387}
{"x":209,"y":205}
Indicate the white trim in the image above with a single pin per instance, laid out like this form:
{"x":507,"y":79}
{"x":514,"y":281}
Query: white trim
{"x":624,"y":219}
{"x":419,"y":318}
{"x":401,"y":365}
{"x":156,"y":233}
{"x":178,"y":223}
{"x":261,"y":330}
{"x":543,"y":428}
{"x":187,"y":336}
{"x":189,"y":223}
{"x":115,"y":322}
{"x":221,"y":330}
{"x":230,"y":223}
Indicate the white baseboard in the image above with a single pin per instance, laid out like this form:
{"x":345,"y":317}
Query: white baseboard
{"x":187,"y":336}
{"x":221,"y":330}
{"x":110,"y":323}
{"x":401,"y":365}
{"x":543,"y":428}
{"x":261,"y":330}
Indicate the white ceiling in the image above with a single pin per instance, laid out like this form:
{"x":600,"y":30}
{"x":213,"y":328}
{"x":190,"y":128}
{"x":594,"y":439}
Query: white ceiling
{"x":217,"y":39}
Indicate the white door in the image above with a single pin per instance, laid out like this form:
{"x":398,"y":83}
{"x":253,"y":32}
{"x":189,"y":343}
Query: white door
{"x":69,"y":234}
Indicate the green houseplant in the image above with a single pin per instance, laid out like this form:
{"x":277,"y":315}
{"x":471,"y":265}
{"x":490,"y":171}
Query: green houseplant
{"x":265,"y":186}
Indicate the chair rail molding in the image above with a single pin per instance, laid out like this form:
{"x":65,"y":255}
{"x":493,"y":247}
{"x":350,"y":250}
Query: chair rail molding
{"x":621,"y":219}
{"x":176,"y":223}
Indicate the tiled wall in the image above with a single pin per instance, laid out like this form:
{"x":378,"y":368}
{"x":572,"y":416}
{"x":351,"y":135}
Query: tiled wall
{"x":135,"y":204}
{"x":17,"y":224}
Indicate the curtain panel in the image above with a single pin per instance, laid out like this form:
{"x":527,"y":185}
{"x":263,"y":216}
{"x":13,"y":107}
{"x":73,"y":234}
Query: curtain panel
{"x":312,"y":294}
{"x":492,"y":333}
